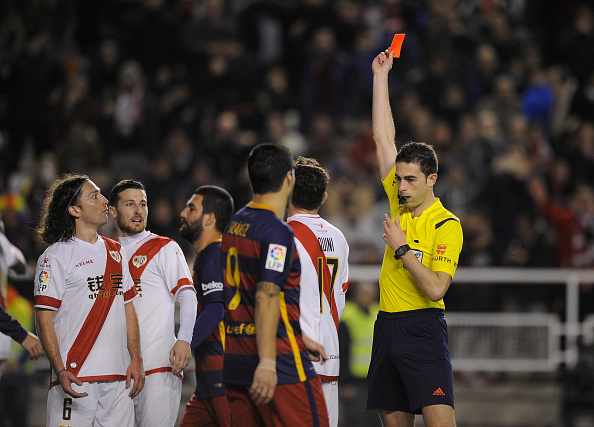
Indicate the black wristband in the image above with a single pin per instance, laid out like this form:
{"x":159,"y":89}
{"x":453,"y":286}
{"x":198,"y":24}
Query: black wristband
{"x":399,"y":253}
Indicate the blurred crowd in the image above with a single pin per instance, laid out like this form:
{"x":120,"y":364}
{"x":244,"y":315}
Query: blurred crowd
{"x":176,"y":92}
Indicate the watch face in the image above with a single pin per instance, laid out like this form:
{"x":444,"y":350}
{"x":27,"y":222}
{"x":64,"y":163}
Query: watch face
{"x":401,"y":251}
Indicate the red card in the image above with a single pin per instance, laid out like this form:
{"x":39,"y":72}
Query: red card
{"x":396,"y":45}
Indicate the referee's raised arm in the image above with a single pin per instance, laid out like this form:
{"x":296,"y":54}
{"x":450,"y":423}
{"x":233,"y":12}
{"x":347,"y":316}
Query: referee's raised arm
{"x":384,"y":133}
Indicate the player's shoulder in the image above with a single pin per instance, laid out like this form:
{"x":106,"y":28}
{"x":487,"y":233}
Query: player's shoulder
{"x":158,"y":240}
{"x":111,"y":242}
{"x":213,"y":249}
{"x":258,"y":223}
{"x":51,"y":254}
{"x":276,"y":232}
{"x":272,"y":224}
{"x":63,"y":252}
{"x":159,"y":244}
{"x":257,"y":216}
{"x":281,"y":228}
{"x":168,"y":250}
{"x":298,"y":221}
{"x":61,"y":249}
{"x":318,"y":225}
{"x":314,"y":222}
{"x":209,"y":258}
{"x":335,"y":229}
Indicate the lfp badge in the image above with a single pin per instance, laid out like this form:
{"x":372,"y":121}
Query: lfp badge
{"x":43,"y":280}
{"x":275,"y":260}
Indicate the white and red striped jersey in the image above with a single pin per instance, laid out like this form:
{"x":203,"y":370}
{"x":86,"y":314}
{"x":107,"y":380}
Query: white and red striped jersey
{"x":159,"y":270}
{"x":87,"y":284}
{"x":323,"y":253}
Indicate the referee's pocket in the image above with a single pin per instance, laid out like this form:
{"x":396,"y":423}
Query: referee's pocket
{"x":430,"y":339}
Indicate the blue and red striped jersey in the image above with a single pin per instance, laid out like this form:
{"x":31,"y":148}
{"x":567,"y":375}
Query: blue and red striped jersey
{"x":208,"y":281}
{"x":259,"y":247}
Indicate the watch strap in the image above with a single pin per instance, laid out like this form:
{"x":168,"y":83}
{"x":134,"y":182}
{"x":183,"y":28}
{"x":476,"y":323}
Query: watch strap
{"x":399,"y":253}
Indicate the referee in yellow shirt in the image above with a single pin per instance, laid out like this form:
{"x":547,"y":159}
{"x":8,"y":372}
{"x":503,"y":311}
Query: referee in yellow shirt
{"x":410,"y":371}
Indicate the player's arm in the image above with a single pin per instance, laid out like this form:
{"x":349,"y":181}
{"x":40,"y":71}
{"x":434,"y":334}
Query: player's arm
{"x":206,"y":322}
{"x":316,"y":350}
{"x":181,"y":353}
{"x":177,"y":275}
{"x":20,"y":265}
{"x":266,"y":317}
{"x":32,"y":344}
{"x":11,"y":327}
{"x":13,"y":256}
{"x":135,"y":371}
{"x":213,"y":313}
{"x":44,"y":320}
{"x":384,"y":133}
{"x":433,"y":283}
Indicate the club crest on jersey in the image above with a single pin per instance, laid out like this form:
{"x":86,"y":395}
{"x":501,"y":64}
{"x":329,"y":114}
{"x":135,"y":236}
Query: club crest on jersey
{"x":115,"y":255}
{"x":275,"y":259}
{"x":139,"y":260}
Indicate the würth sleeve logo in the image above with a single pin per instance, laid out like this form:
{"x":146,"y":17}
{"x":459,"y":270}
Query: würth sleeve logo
{"x":139,"y":260}
{"x":441,"y":249}
{"x":115,"y":255}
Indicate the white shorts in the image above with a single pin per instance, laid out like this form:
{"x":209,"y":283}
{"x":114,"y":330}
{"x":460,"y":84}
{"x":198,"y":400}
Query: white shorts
{"x":107,"y":405}
{"x":330,"y":389}
{"x":157,"y":405}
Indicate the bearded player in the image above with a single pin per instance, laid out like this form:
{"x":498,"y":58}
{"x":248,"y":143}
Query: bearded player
{"x":204,"y":219}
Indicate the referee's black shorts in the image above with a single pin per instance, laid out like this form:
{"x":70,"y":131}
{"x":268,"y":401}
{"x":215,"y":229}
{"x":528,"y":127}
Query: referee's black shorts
{"x":410,"y":362}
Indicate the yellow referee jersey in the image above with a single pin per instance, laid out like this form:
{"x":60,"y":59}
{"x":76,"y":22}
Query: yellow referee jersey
{"x":435,"y":238}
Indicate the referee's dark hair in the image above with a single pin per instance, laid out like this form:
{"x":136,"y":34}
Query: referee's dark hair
{"x":311,"y":181}
{"x":420,"y":153}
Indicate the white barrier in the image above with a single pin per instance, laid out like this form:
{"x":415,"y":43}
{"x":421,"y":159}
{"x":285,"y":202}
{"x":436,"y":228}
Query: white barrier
{"x":507,"y":329}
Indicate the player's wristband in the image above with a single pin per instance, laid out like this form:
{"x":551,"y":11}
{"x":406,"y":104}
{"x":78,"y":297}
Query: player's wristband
{"x":58,"y":374}
{"x":267,"y":364}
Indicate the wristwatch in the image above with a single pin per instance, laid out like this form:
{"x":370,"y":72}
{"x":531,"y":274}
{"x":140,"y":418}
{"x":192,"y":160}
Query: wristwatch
{"x":401,"y":251}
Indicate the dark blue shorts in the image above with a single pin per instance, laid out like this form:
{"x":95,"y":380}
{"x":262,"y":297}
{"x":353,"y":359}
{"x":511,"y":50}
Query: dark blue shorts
{"x":410,"y":362}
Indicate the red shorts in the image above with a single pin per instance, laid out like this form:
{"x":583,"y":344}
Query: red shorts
{"x":300,"y":404}
{"x":207,"y":412}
